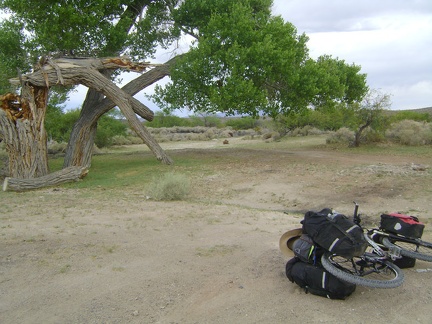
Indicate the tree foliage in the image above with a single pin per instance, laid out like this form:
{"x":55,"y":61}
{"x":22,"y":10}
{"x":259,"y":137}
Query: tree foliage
{"x":93,"y":28}
{"x":13,"y":56}
{"x":245,"y":61}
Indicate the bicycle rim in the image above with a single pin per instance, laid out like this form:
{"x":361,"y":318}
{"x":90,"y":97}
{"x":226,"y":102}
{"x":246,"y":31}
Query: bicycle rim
{"x":416,"y":249}
{"x":367,"y":270}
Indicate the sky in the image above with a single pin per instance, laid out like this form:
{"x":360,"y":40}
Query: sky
{"x":390,"y":39}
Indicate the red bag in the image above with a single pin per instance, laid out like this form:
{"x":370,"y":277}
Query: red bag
{"x":402,"y":224}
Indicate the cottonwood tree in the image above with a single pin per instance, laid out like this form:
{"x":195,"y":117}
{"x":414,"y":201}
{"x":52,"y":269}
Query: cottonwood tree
{"x":260,"y":67}
{"x":241,"y":60}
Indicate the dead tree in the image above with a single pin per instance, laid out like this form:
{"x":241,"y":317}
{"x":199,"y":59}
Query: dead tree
{"x":22,"y":117}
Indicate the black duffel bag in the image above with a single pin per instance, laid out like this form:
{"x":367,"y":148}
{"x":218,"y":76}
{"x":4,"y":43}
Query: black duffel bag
{"x":316,"y":280}
{"x":335,"y":233}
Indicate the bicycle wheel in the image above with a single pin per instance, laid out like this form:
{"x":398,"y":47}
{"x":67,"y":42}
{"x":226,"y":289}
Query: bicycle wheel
{"x":367,"y":270}
{"x":416,"y":249}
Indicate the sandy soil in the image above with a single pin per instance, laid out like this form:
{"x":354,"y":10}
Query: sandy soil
{"x":75,"y":256}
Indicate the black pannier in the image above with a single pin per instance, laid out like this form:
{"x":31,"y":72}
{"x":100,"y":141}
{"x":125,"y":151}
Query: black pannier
{"x":335,"y":233}
{"x":315,"y":280}
{"x":402,"y":224}
{"x":306,"y":250}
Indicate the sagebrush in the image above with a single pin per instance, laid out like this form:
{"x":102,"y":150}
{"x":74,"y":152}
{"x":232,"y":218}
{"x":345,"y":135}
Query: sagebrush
{"x":169,"y":186}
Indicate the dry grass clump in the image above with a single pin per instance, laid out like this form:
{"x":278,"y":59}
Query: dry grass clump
{"x":56,"y":148}
{"x":342,"y":135}
{"x":305,"y":131}
{"x":169,"y":186}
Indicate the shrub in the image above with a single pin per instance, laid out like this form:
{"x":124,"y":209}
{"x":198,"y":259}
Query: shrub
{"x":121,"y":140}
{"x":169,"y":186}
{"x":305,"y":131}
{"x":409,"y":132}
{"x":56,"y":148}
{"x":343,"y":135}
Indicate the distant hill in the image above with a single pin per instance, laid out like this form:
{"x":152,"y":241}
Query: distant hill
{"x":418,"y":110}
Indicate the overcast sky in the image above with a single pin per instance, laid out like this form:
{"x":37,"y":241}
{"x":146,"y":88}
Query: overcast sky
{"x":390,"y":39}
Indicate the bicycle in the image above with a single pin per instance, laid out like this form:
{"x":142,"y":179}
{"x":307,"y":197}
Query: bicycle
{"x":375,"y":268}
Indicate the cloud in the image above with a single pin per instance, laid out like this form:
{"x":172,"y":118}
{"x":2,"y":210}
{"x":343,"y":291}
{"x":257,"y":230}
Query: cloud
{"x":340,"y":15}
{"x":389,"y":39}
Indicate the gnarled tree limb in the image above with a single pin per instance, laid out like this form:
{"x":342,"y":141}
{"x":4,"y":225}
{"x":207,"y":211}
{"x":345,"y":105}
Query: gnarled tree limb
{"x":65,"y":175}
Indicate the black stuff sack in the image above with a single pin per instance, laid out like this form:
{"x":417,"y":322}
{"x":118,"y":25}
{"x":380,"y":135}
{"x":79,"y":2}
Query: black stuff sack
{"x":306,"y":250}
{"x":402,"y":224}
{"x":335,"y":233}
{"x":405,"y":262}
{"x":315,"y":280}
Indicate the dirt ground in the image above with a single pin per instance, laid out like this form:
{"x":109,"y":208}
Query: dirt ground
{"x":75,"y":256}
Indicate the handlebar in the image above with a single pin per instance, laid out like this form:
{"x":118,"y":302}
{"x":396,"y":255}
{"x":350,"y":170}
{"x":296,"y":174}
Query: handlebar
{"x":356,"y":217}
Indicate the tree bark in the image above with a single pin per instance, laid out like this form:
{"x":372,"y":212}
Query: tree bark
{"x":65,"y":175}
{"x":22,"y":126}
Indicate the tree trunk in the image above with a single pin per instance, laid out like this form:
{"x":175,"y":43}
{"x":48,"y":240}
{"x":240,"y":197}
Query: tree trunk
{"x":80,"y":145}
{"x":22,"y":126}
{"x":65,"y":175}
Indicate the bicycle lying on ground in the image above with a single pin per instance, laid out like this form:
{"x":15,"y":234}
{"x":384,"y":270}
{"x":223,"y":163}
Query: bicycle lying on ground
{"x":375,"y":268}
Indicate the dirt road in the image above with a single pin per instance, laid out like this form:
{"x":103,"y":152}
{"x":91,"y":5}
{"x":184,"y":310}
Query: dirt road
{"x":74,"y":256}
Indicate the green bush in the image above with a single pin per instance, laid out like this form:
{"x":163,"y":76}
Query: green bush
{"x":169,"y":186}
{"x":411,"y":115}
{"x":163,"y":120}
{"x":242,"y":123}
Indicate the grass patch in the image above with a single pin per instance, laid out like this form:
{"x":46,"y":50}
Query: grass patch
{"x":65,"y":268}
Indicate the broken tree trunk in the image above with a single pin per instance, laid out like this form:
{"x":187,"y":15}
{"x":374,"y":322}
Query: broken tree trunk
{"x":70,"y":174}
{"x":31,"y":109}
{"x":22,"y":126}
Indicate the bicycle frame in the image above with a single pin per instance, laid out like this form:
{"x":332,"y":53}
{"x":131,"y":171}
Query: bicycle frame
{"x":391,"y":253}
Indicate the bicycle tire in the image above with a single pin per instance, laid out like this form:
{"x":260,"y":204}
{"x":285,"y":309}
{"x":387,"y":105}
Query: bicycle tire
{"x":367,"y":270}
{"x":416,"y":249}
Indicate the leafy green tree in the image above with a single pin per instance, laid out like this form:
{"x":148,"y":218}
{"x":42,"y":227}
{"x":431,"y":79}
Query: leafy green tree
{"x":368,"y":113}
